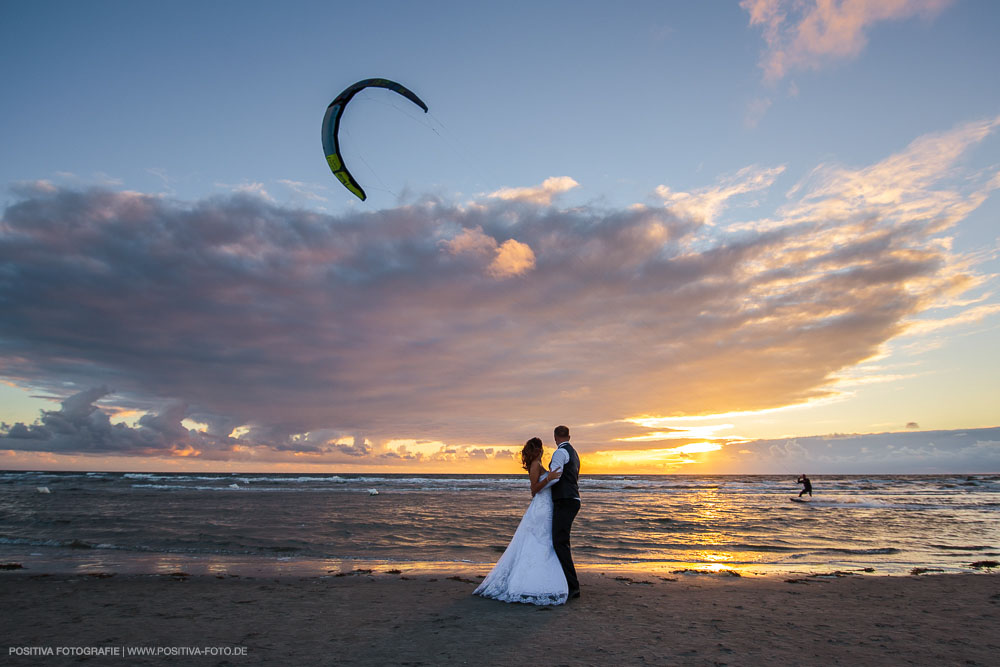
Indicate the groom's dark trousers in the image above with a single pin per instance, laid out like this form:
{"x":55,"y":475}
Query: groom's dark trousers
{"x":563,"y":512}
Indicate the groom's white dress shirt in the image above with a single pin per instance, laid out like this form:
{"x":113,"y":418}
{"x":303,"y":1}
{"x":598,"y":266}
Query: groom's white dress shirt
{"x":559,"y":458}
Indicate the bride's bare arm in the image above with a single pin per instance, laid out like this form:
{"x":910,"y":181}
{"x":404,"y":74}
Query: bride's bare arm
{"x":535,"y":474}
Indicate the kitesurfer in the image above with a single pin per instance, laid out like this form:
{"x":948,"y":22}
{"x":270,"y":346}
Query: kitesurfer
{"x":807,"y":486}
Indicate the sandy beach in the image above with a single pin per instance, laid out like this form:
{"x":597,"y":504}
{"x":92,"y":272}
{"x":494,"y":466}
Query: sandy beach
{"x":390,"y":618}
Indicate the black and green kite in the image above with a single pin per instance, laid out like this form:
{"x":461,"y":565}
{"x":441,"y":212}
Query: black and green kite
{"x":331,"y":126}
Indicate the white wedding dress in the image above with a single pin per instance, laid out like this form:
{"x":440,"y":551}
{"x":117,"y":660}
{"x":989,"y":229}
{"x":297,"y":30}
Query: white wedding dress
{"x":528,"y":571}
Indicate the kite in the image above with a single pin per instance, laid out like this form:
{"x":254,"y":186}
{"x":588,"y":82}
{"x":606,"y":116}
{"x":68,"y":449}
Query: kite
{"x":331,"y":126}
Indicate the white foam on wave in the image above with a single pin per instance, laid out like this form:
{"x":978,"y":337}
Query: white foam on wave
{"x":862,"y":502}
{"x":335,"y":479}
{"x":233,"y":487}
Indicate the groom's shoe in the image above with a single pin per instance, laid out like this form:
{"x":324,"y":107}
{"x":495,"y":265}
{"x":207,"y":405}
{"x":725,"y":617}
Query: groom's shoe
{"x":574,"y":594}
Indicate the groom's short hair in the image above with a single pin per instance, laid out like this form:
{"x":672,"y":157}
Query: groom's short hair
{"x":561,"y":432}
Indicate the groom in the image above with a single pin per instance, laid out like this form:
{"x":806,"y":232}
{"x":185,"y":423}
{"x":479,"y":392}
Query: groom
{"x":565,"y":504}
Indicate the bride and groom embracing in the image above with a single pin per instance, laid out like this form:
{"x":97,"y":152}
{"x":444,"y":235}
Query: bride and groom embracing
{"x":537,"y":566}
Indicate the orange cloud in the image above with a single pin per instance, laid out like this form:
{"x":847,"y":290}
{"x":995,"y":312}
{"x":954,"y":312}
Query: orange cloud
{"x":540,"y":194}
{"x":808,"y":34}
{"x":512,"y":258}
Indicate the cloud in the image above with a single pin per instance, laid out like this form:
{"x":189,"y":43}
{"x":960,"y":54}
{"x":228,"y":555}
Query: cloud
{"x":704,"y":205}
{"x":255,"y":188}
{"x":316,"y":337}
{"x":307,"y":191}
{"x":97,"y":178}
{"x":903,"y":187}
{"x":541,"y":194}
{"x":976,"y":314}
{"x":756,"y":110}
{"x":809,"y":34}
{"x":512,"y":258}
{"x":30,"y":188}
{"x":471,"y":241}
{"x":79,"y":426}
{"x":914,"y":452}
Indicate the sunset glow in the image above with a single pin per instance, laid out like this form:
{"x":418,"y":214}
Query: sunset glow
{"x":657,"y":460}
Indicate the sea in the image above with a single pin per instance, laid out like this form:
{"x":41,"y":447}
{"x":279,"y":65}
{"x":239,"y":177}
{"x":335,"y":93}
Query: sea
{"x":239,"y":523}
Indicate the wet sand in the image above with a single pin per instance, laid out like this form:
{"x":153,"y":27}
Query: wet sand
{"x":398,"y":619}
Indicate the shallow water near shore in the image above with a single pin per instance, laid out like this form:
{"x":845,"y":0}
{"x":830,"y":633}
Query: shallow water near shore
{"x":321,"y":524}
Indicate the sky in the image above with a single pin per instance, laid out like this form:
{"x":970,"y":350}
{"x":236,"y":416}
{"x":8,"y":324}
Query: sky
{"x":728,"y":237}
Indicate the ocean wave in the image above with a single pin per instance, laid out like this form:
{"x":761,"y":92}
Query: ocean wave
{"x":182,"y":487}
{"x":247,"y":479}
{"x":71,"y":543}
{"x":335,"y":479}
{"x":25,"y":475}
{"x":875,"y":551}
{"x":951,"y":547}
{"x":863,"y":502}
{"x":238,"y":488}
{"x":23,"y":541}
{"x":176,"y":548}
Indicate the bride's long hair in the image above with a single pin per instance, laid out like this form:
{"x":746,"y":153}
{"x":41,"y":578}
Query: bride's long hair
{"x":531,"y":451}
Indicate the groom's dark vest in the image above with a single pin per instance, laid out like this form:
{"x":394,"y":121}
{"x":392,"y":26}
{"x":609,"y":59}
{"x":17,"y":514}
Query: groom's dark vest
{"x":567,"y":487}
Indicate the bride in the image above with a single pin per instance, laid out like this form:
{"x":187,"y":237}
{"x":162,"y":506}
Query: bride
{"x":528,"y":571}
